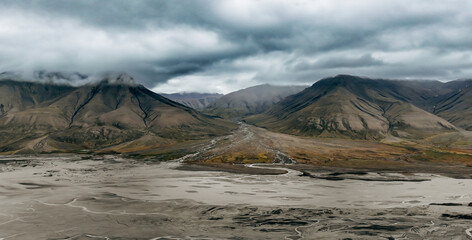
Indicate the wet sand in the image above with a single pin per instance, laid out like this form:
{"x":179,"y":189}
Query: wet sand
{"x":72,"y":197}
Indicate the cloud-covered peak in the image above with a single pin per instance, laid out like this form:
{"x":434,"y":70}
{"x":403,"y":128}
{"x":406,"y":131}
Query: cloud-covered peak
{"x":70,"y":78}
{"x":43,"y":76}
{"x":117,"y":78}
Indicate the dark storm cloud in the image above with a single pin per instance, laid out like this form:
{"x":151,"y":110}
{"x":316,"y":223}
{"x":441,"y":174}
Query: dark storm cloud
{"x":225,"y":45}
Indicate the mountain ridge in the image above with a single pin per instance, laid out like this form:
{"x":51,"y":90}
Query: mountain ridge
{"x":116,"y":111}
{"x":248,"y":101}
{"x":356,"y":107}
{"x":194,"y":100}
{"x":96,"y":116}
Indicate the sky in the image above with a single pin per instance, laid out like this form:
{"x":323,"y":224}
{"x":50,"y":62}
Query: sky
{"x":225,"y":45}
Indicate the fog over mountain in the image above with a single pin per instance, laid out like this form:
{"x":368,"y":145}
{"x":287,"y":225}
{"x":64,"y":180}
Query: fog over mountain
{"x":68,"y":78}
{"x":224,"y":46}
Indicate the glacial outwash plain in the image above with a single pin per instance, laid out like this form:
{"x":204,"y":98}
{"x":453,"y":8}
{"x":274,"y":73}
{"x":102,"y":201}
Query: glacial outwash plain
{"x":235,"y":120}
{"x":346,"y":158}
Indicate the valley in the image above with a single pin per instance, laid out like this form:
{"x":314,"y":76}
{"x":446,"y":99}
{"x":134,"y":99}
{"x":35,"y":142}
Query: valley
{"x":235,"y":120}
{"x":249,"y":145}
{"x":116,"y":161}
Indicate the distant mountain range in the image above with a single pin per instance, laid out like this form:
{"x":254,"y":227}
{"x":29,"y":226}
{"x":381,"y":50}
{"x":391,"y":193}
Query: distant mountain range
{"x":250,"y":100}
{"x":118,"y":113}
{"x":196,"y":101}
{"x":350,"y":106}
{"x":37,"y":117}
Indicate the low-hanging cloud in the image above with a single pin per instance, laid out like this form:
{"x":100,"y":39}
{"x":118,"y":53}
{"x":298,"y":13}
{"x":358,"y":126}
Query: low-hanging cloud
{"x":229,"y":44}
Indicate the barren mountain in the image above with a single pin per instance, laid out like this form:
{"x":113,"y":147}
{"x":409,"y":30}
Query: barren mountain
{"x":456,"y":106}
{"x":355,"y":107}
{"x":17,"y":96}
{"x":47,"y":117}
{"x":194,"y":100}
{"x":250,"y":101}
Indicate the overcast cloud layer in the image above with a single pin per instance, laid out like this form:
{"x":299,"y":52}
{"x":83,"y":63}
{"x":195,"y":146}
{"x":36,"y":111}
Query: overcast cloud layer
{"x":221,"y":46}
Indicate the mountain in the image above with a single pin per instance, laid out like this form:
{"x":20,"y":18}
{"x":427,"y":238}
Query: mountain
{"x":17,"y":96}
{"x":350,"y":106}
{"x":250,"y":101}
{"x":37,"y":117}
{"x":69,"y":78}
{"x":197,"y":101}
{"x":456,"y":106}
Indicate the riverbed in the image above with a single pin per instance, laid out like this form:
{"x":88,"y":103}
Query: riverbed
{"x":109,"y":197}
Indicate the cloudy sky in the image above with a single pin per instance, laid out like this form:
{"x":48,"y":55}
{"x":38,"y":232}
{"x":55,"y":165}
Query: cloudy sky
{"x":221,"y":46}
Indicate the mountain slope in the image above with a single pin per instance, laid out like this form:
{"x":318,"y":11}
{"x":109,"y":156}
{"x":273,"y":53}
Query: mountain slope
{"x":96,"y":116}
{"x":456,"y":106}
{"x":354,"y":107}
{"x":250,"y":101}
{"x":197,"y":101}
{"x":16,"y":96}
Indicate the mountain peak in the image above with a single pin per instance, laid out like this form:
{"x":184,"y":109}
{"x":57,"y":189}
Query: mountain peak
{"x":97,"y":116}
{"x":357,"y":107}
{"x":344,"y":78}
{"x":118,"y":79}
{"x":348,"y":76}
{"x":250,"y":100}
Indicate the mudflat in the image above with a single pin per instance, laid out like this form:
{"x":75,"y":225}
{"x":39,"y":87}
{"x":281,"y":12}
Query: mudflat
{"x":110,"y":197}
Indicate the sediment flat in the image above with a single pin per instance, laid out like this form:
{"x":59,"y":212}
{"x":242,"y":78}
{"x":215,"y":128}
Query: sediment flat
{"x":110,"y":197}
